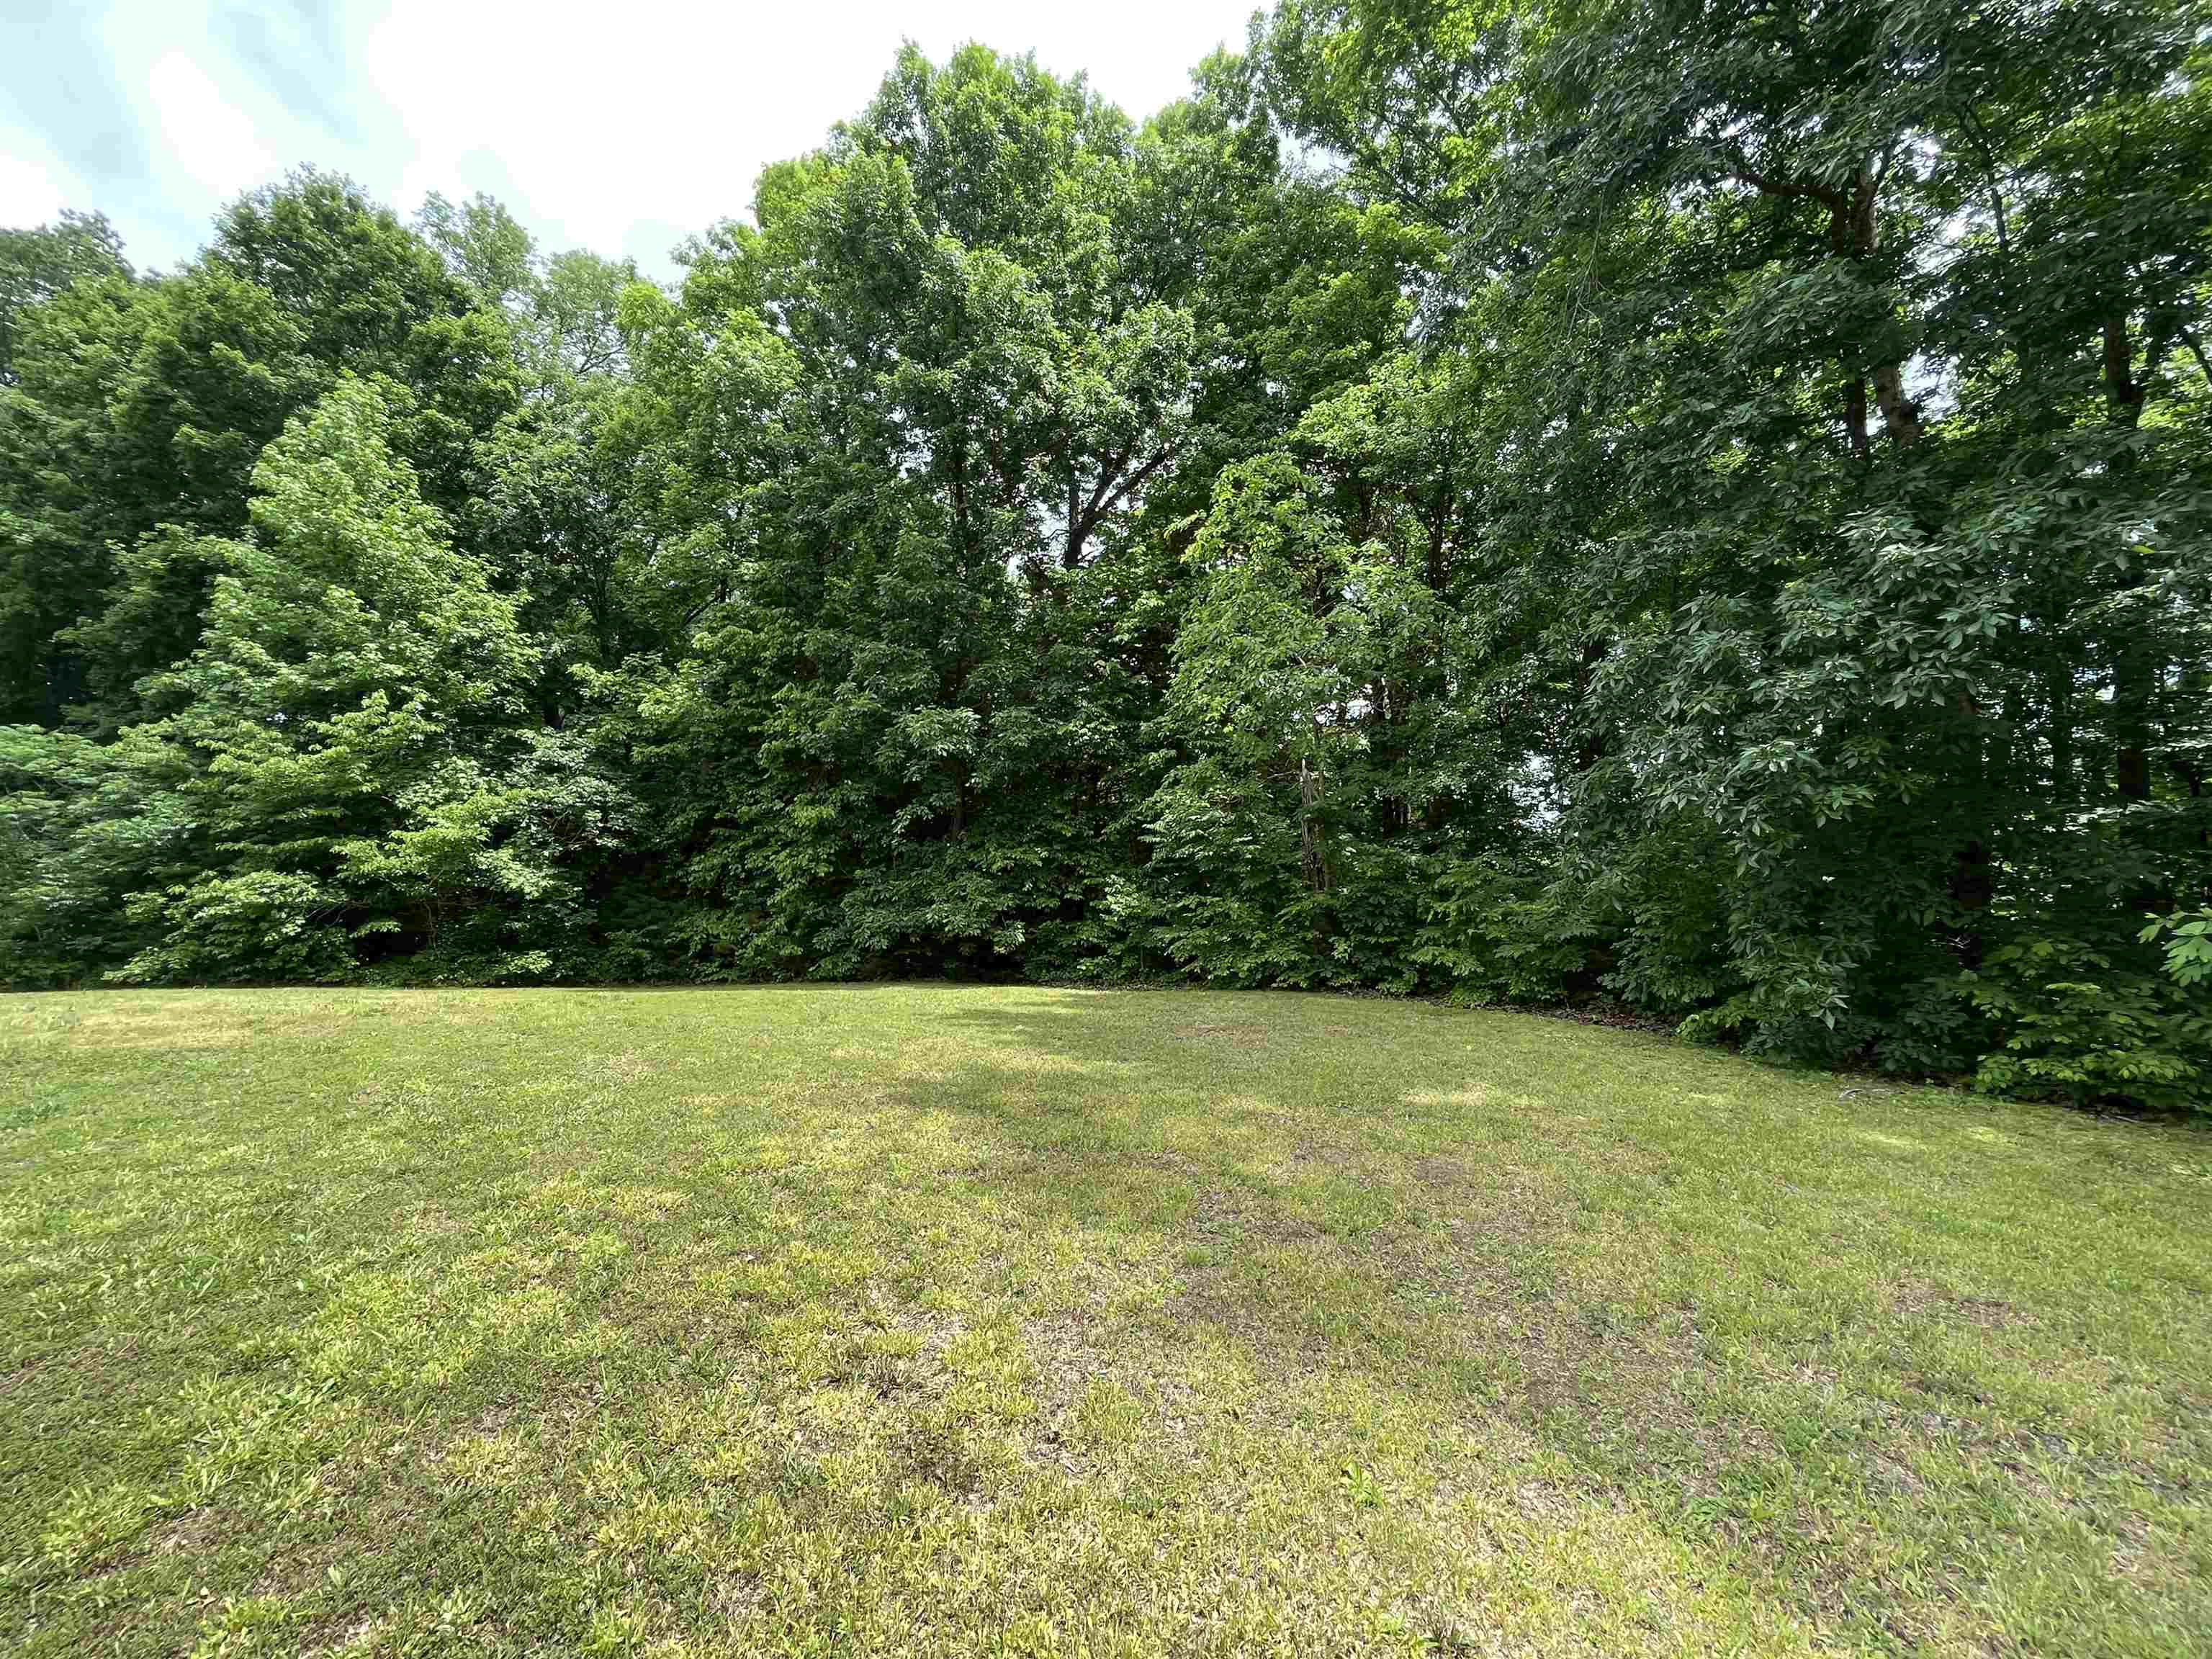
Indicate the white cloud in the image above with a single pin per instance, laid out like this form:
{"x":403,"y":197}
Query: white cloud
{"x":618,"y":129}
{"x":607,"y":137}
{"x":210,"y":139}
{"x":29,"y":192}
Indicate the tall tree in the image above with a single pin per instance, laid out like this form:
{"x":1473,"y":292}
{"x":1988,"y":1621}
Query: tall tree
{"x":38,"y":262}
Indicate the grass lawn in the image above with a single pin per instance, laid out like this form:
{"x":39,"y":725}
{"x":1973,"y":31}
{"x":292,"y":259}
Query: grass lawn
{"x":911,"y":1320}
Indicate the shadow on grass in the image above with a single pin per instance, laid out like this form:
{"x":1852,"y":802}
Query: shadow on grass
{"x":1419,"y":1238}
{"x":1578,"y":1272}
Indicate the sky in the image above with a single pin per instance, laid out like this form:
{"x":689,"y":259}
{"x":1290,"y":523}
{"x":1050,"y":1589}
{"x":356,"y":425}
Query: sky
{"x":623,"y":128}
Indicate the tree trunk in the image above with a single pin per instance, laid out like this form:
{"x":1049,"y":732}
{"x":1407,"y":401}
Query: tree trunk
{"x":1855,"y":416}
{"x":1972,"y":880}
{"x":1310,"y":846}
{"x":2131,"y":695}
{"x":1855,"y":233}
{"x":2196,"y":693}
{"x":2136,"y":670}
{"x":1900,"y":415}
{"x":2060,"y":690}
{"x":1971,"y":887}
{"x":1590,"y":748}
{"x":2124,"y":394}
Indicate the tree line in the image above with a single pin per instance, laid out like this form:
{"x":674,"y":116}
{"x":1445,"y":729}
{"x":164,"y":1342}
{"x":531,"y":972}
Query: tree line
{"x":1705,"y":510}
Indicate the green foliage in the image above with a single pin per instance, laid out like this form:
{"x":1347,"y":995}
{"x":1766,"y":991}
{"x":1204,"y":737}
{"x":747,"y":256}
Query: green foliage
{"x":322,"y":787}
{"x":493,"y":872}
{"x":1588,"y":502}
{"x":38,"y":263}
{"x":2187,"y":939}
{"x":2074,"y":1023}
{"x":257,"y":925}
{"x":141,"y":408}
{"x":1325,"y":785}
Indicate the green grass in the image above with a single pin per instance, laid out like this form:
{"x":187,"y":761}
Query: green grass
{"x":913,"y":1320}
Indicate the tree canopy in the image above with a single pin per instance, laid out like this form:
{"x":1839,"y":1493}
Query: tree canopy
{"x":1564,"y":502}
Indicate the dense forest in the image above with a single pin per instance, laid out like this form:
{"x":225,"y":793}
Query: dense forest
{"x":1700,"y":510}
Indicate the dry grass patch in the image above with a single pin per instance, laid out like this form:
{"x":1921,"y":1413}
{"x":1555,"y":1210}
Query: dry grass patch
{"x":937,"y":1321}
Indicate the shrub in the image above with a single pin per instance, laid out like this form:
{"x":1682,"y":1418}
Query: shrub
{"x":2075,"y":1023}
{"x":261,"y":925}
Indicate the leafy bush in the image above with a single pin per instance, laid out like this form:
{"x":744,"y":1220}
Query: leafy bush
{"x":260,"y":925}
{"x":2074,"y":1022}
{"x":1495,"y":932}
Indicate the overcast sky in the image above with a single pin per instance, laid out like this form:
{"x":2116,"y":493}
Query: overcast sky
{"x":620,"y":127}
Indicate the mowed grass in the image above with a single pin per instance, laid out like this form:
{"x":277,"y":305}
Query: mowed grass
{"x":934,"y":1320}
